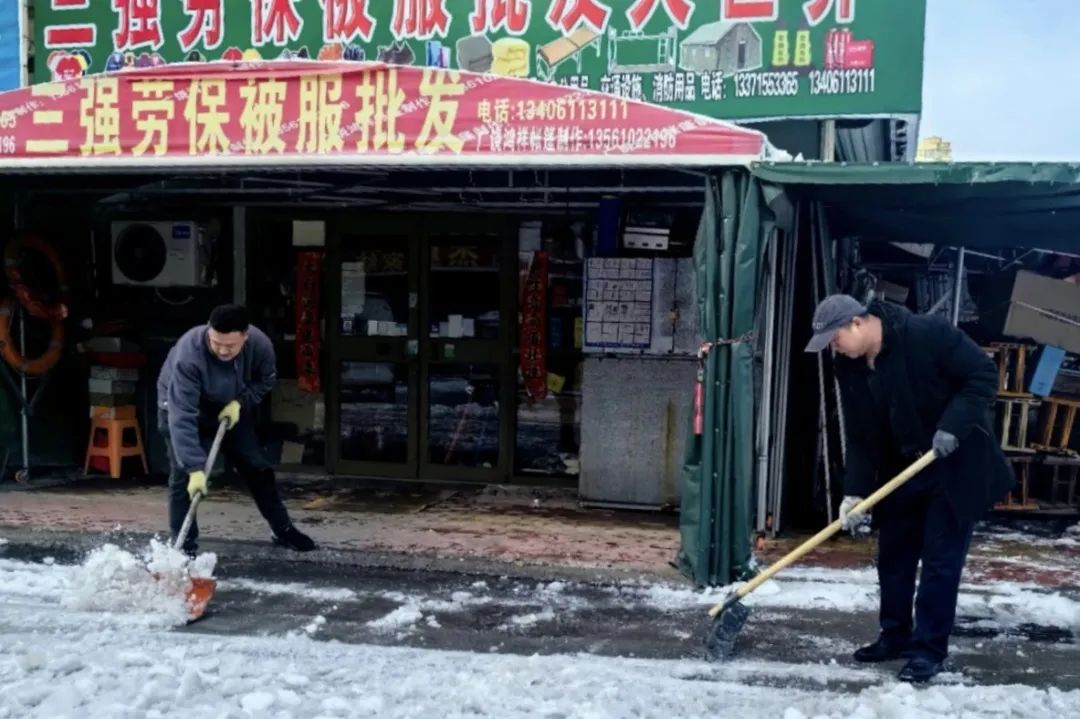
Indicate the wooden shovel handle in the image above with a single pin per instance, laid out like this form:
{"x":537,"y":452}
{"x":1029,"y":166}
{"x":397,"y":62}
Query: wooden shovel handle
{"x":812,"y":543}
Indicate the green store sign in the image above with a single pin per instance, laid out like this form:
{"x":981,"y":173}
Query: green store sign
{"x":735,"y":59}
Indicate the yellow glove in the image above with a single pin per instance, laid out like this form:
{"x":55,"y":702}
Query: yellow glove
{"x":196,"y":483}
{"x":231,"y":414}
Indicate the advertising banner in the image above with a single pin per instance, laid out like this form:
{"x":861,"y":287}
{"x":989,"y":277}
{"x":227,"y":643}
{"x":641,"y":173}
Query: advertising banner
{"x":300,"y":111}
{"x":12,"y":49}
{"x":732,"y":59}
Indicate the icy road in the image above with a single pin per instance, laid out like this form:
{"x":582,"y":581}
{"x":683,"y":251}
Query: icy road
{"x":287,"y":640}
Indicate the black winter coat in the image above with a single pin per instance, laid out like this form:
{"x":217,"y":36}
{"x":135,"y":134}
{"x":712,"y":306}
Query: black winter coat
{"x":933,"y":376}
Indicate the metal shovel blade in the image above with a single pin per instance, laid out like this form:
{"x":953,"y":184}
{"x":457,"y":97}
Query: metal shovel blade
{"x":725,"y":628}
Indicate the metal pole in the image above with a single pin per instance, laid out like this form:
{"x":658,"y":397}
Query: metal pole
{"x":958,"y":290}
{"x":765,"y":408}
{"x":24,"y":413}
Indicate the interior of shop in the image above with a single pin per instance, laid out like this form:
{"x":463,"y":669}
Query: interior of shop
{"x":993,"y":253}
{"x":438,"y":326}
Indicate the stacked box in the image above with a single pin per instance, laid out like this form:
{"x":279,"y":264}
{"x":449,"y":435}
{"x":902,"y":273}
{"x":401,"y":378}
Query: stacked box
{"x":112,"y":392}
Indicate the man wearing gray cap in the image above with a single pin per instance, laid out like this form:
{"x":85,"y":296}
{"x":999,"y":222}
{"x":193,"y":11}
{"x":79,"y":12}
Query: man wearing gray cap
{"x":910,"y":383}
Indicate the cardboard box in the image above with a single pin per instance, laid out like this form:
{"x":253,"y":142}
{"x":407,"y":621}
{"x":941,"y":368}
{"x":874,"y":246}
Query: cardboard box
{"x":1028,"y":306}
{"x":111,"y":400}
{"x":289,"y":405}
{"x":114,"y":373}
{"x":110,"y":386}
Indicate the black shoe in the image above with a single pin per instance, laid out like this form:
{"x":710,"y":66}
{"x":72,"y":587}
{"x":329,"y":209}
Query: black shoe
{"x":879,"y":651}
{"x":294,"y":539}
{"x":919,"y":670}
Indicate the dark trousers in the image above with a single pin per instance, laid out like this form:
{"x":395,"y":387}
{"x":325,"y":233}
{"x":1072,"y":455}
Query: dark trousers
{"x":241,"y":448}
{"x":921,"y":526}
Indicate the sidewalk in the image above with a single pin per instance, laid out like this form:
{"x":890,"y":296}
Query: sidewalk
{"x":512,"y":526}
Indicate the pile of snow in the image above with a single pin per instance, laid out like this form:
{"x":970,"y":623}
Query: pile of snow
{"x":152,"y":673}
{"x":522,"y":621}
{"x":115,"y":580}
{"x":1012,"y":604}
{"x":297,"y":589}
{"x":403,"y":616}
{"x":3,"y":541}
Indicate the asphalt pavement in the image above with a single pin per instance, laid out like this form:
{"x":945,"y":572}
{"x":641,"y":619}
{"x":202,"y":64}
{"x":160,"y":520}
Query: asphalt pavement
{"x":494,"y":607}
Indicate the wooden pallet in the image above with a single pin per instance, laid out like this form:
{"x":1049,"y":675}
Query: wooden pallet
{"x":1022,"y":469}
{"x":1065,"y":472}
{"x":1014,"y":431}
{"x":1011,"y":360}
{"x":1055,"y":437}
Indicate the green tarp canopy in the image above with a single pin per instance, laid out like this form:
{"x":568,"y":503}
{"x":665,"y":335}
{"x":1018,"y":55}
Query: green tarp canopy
{"x":717,"y":478}
{"x":973,"y":205}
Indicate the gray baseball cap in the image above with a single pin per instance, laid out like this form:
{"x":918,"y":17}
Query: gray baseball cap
{"x":834,"y":312}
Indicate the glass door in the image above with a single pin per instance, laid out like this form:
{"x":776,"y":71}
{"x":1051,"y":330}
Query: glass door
{"x":421,"y":374}
{"x":372,"y":407}
{"x":466,"y":371}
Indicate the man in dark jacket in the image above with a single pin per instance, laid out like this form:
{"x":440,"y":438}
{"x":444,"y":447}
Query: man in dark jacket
{"x":909,"y":383}
{"x":220,"y":371}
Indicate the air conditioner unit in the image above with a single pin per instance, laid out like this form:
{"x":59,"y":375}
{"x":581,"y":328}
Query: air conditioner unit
{"x":159,"y":254}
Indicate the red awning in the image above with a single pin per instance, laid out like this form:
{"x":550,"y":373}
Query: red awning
{"x":306,"y":114}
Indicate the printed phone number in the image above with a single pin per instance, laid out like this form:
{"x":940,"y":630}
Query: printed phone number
{"x":573,"y":109}
{"x":766,"y":84}
{"x":631,"y":138}
{"x":842,"y":82}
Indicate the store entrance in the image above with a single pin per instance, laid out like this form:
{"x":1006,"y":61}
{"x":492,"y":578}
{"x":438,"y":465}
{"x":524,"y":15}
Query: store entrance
{"x":421,"y":374}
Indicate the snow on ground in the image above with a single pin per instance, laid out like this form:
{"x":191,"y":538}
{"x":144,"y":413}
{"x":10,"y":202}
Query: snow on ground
{"x":48,"y":670}
{"x":1000,"y":604}
{"x":152,"y":589}
{"x":51,"y":651}
{"x":321,"y":594}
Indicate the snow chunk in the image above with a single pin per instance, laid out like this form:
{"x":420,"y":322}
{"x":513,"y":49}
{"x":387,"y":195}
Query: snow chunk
{"x":113,"y":579}
{"x":403,"y":616}
{"x":256,"y":702}
{"x":315,"y":624}
{"x":298,"y":589}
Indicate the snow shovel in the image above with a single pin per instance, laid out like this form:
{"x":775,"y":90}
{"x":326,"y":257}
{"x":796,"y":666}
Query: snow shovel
{"x":202,"y":588}
{"x":729,"y":616}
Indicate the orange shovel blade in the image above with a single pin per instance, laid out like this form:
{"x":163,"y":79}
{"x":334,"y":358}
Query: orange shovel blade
{"x":202,"y":590}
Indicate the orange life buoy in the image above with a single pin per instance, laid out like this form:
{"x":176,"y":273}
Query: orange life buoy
{"x":28,"y":298}
{"x":38,"y":365}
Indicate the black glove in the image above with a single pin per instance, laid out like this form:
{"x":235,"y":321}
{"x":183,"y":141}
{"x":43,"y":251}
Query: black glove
{"x":945,"y":443}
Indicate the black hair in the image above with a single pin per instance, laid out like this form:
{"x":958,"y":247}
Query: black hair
{"x":229,"y":318}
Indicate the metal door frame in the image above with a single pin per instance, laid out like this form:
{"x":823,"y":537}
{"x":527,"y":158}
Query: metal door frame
{"x":418,"y":232}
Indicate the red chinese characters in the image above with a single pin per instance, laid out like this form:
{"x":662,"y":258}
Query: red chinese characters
{"x":138,"y":24}
{"x":817,"y":10}
{"x":205,"y":24}
{"x":344,"y":20}
{"x":69,"y":35}
{"x":749,"y":10}
{"x":567,"y":15}
{"x":679,"y":11}
{"x":493,"y":15}
{"x":419,"y":19}
{"x":275,"y":22}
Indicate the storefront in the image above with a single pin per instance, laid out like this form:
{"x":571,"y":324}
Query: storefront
{"x":445,"y":261}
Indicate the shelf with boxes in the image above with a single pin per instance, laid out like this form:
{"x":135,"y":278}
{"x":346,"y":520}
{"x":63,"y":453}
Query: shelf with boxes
{"x":1036,"y":425}
{"x":115,"y":434}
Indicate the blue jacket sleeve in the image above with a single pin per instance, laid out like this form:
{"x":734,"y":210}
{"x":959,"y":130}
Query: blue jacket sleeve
{"x":263,"y":375}
{"x":185,"y":389}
